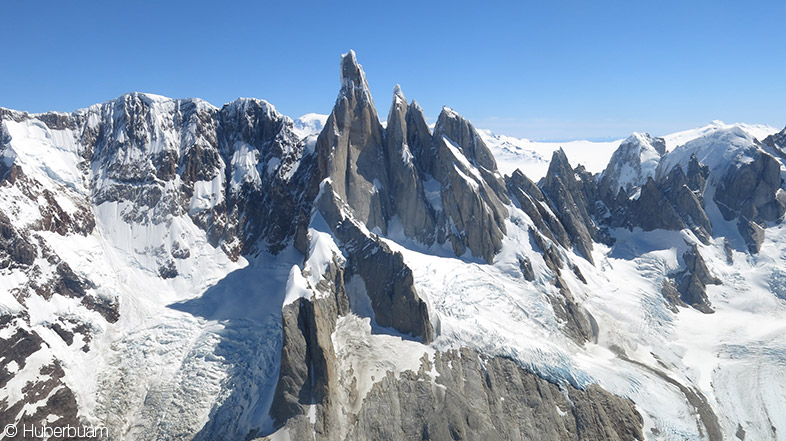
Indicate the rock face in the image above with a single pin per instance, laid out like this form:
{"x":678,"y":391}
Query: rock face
{"x":408,"y":198}
{"x":777,"y":142}
{"x":441,"y":187}
{"x":534,"y":203}
{"x":471,"y":405}
{"x":691,"y":283}
{"x":752,"y":193}
{"x":351,"y":149}
{"x":228,"y":169}
{"x":307,"y":373}
{"x":261,"y":206}
{"x":387,"y":280}
{"x":473,"y":196}
{"x":388,"y":283}
{"x":632,"y":163}
{"x":569,"y":202}
{"x":477,"y":397}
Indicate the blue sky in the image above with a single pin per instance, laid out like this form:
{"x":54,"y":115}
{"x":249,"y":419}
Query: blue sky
{"x":542,"y":70}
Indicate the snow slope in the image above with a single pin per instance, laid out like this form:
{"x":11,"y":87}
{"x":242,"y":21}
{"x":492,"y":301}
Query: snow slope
{"x":733,"y":358}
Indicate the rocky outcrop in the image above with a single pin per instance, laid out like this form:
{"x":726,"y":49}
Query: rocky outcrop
{"x":673,"y":201}
{"x":634,"y":161}
{"x":653,"y":211}
{"x":15,"y":249}
{"x":684,"y":194}
{"x":47,"y":400}
{"x":388,"y":281}
{"x":307,"y":375}
{"x":51,"y":215}
{"x":751,"y":192}
{"x":570,"y":204}
{"x":777,"y":143}
{"x":688,"y":287}
{"x":697,"y":175}
{"x":407,"y":195}
{"x":350,"y":149}
{"x":669,"y":205}
{"x":576,"y":321}
{"x":532,"y":201}
{"x":463,"y":395}
{"x":441,"y":187}
{"x":492,"y":398}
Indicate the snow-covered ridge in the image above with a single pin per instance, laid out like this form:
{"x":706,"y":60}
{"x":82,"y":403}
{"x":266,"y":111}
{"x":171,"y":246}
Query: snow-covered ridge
{"x":716,"y":149}
{"x":532,"y":157}
{"x":758,"y":131}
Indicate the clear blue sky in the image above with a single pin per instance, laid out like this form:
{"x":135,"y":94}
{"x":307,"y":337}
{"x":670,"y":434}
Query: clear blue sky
{"x":542,"y":70}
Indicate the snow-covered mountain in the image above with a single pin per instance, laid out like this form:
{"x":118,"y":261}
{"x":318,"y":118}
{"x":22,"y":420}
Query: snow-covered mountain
{"x":309,"y":124}
{"x":173,"y":270}
{"x":532,"y":157}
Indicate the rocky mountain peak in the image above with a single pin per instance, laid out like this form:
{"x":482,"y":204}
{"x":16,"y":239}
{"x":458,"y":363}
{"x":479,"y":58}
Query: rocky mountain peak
{"x":569,"y":199}
{"x":648,"y":141}
{"x":353,"y":79}
{"x":255,"y":105}
{"x":419,"y":137}
{"x":397,"y":93}
{"x":635,"y":160}
{"x":463,"y":133}
{"x":777,"y":143}
{"x":559,"y":165}
{"x":399,"y":103}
